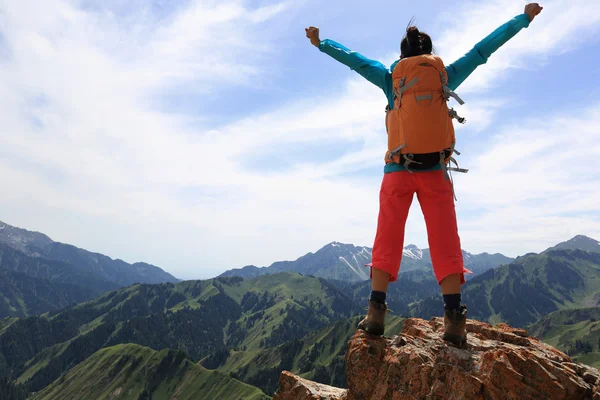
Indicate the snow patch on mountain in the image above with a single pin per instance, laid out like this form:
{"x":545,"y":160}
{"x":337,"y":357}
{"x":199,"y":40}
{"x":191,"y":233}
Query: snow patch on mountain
{"x":412,"y":251}
{"x":365,"y":250}
{"x":354,"y":269}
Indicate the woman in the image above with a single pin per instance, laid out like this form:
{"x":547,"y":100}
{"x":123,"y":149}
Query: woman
{"x":434,"y":191}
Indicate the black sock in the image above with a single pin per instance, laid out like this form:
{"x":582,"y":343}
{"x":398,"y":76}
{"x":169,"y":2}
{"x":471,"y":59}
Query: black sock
{"x":378,"y":297}
{"x":452,"y":301}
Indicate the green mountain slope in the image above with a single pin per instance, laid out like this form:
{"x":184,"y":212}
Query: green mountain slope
{"x":10,"y":391}
{"x":22,"y":295}
{"x":318,"y":356}
{"x":197,"y":317}
{"x":52,"y":270}
{"x":410,"y":287}
{"x":529,"y":288}
{"x":32,"y":286}
{"x":576,"y":332}
{"x":135,"y":372}
{"x":38,"y":275}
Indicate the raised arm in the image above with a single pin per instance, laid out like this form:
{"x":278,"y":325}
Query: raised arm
{"x":459,"y":70}
{"x":373,"y":71}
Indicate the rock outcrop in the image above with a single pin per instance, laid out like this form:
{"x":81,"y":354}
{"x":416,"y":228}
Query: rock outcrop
{"x":292,"y":387}
{"x":498,"y":363}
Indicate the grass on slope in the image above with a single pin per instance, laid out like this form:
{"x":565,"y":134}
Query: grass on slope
{"x":6,"y":322}
{"x":576,"y":332}
{"x":135,"y":372}
{"x":319,"y":356}
{"x":231,"y":313}
{"x":528,"y":289}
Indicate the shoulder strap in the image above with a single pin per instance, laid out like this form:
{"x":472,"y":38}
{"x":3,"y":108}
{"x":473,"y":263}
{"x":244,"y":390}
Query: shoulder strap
{"x":404,"y":87}
{"x":449,"y":92}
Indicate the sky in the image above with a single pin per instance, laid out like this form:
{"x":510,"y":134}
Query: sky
{"x":206,"y":135}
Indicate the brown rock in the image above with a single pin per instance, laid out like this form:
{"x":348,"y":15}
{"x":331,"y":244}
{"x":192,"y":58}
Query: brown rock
{"x":498,"y":363}
{"x":590,"y":378}
{"x":292,"y":387}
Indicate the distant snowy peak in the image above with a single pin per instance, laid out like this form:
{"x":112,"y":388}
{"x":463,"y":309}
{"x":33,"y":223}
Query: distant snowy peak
{"x":355,"y":267}
{"x":346,"y":262}
{"x":365,"y":251}
{"x":352,"y":258}
{"x":412,"y":251}
{"x":343,"y":247}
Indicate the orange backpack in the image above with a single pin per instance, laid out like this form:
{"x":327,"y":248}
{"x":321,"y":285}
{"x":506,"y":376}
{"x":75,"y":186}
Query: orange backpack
{"x":420,"y":129}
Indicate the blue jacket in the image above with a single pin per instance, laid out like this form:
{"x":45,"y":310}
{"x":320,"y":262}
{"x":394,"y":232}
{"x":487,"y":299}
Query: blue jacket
{"x":378,"y":74}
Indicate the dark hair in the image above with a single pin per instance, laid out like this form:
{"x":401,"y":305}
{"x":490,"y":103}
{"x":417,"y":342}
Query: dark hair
{"x":415,"y":43}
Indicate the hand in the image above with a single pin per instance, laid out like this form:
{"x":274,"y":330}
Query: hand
{"x":533,"y":9}
{"x":313,"y":34}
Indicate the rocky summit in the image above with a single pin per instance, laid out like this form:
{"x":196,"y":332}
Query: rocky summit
{"x":499,"y":362}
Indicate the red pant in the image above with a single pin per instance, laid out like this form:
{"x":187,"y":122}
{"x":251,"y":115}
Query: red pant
{"x":436,"y":198}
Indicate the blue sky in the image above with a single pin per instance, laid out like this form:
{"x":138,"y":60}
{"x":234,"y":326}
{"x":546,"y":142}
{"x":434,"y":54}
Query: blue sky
{"x":205,"y":135}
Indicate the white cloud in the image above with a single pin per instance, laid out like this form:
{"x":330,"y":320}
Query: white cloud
{"x":536,"y":182}
{"x":562,"y":26}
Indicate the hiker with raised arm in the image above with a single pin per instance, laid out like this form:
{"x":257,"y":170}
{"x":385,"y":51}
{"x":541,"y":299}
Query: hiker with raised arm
{"x":421,"y":144}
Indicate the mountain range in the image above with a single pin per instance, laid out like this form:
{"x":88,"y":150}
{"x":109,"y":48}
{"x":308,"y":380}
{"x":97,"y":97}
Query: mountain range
{"x":232,"y":336}
{"x":38,"y":245}
{"x":251,"y":329}
{"x":197,"y":317}
{"x":40,"y":275}
{"x":345,"y":262}
{"x":527,"y":289}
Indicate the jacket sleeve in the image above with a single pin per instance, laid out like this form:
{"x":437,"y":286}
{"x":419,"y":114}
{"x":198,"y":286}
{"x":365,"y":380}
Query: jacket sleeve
{"x":373,"y":71}
{"x":459,"y":70}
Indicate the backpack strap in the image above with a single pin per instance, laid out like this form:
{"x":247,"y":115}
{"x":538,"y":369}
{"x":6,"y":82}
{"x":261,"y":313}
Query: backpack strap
{"x":394,"y":152}
{"x":457,"y":169}
{"x":404,"y":87}
{"x":452,"y":160}
{"x":449,"y":92}
{"x":445,"y":168}
{"x":408,"y":158}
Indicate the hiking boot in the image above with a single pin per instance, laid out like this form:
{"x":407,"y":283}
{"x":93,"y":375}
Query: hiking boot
{"x":455,"y":326}
{"x":374,"y":322}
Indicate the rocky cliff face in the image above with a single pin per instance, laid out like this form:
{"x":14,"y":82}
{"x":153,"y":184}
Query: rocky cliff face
{"x":498,"y":363}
